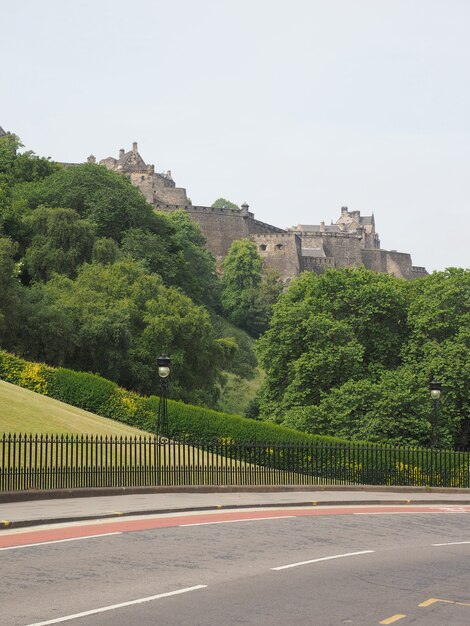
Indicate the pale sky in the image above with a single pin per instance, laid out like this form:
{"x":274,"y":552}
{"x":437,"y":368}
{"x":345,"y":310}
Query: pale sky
{"x":297,"y":107}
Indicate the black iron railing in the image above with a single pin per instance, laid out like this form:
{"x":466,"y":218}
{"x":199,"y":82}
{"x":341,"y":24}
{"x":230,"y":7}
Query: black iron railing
{"x":67,"y":462}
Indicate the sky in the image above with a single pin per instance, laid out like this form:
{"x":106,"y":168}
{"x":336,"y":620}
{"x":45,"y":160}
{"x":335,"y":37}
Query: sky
{"x":296,"y":107}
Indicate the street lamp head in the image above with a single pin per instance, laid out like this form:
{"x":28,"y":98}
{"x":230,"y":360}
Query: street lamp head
{"x":435,"y":388}
{"x":163,"y":364}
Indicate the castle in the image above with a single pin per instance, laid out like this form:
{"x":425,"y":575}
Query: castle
{"x":350,"y":242}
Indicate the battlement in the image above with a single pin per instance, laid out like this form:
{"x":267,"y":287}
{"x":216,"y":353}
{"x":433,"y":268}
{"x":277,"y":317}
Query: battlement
{"x":323,"y":234}
{"x":278,"y":236}
{"x":274,"y":230}
{"x":349,"y":242}
{"x":204,"y":209}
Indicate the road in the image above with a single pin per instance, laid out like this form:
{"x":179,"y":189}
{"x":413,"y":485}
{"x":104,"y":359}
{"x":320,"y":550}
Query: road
{"x":338,"y":565}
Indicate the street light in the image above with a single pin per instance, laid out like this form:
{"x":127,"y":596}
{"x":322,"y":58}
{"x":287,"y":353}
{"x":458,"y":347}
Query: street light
{"x":435,"y":388}
{"x":163,"y":365}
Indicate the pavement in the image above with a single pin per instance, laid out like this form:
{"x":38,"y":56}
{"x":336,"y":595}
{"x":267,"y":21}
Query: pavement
{"x":22,"y":509}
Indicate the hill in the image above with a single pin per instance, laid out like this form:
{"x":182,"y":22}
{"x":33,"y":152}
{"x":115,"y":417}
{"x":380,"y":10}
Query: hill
{"x":25,"y":411}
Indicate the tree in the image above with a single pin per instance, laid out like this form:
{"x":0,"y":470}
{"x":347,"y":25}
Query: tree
{"x":351,"y":353}
{"x":114,"y":320}
{"x":374,"y":305}
{"x":264,"y":299}
{"x":393,"y":408}
{"x":160,"y":254}
{"x":10,"y":292}
{"x":242,"y":274}
{"x":439,"y":344}
{"x":197,"y":275}
{"x":17,"y":168}
{"x":222,"y":203}
{"x":60,"y":243}
{"x":304,"y":355}
{"x":106,"y":198}
{"x":105,"y":251}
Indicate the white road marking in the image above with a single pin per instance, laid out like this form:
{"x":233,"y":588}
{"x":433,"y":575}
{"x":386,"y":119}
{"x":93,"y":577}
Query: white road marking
{"x":232,"y":521}
{"x":46,"y":543}
{"x":112,"y":607}
{"x":453,"y":543}
{"x":324,"y":558}
{"x":410,"y":512}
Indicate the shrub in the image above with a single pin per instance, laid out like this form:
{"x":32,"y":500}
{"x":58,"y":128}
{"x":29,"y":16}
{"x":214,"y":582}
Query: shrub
{"x":103,"y":397}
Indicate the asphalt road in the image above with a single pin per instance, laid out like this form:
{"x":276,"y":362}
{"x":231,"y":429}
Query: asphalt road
{"x":367,"y":567}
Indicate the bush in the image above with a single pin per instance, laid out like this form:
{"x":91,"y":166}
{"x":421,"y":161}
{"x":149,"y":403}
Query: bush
{"x":103,"y":397}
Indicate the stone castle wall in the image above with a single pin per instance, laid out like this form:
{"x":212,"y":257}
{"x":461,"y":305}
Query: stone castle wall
{"x":222,"y":226}
{"x":391,"y":262}
{"x":281,"y":252}
{"x":352,"y":242}
{"x":344,"y":248}
{"x":157,"y":189}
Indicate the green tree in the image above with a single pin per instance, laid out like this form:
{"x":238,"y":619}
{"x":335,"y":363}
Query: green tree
{"x":439,"y":344}
{"x":393,"y":408}
{"x":159,"y":253}
{"x":242,"y":275}
{"x":10,"y":293}
{"x":222,"y":203}
{"x":107,"y":199}
{"x":197,"y":275}
{"x":17,"y":168}
{"x":350,"y":353}
{"x":60,"y":243}
{"x":114,"y":320}
{"x":304,"y":355}
{"x":374,"y":305}
{"x":105,"y":251}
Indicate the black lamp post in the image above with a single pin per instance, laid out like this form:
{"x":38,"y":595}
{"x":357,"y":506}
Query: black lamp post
{"x":435,"y":388}
{"x":163,"y":365}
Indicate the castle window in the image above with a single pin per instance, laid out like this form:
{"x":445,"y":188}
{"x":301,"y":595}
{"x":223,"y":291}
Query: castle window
{"x":279,"y":246}
{"x":263,"y":246}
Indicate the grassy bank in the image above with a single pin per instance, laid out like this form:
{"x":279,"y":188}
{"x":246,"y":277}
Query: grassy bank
{"x":23,"y":411}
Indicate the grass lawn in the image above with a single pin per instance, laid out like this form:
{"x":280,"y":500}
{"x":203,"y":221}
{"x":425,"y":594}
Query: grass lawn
{"x":23,"y":411}
{"x":26,"y":412}
{"x":238,"y":392}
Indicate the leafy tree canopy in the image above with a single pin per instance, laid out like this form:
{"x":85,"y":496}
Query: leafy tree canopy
{"x":222,"y":203}
{"x":115,"y":320}
{"x":351,"y":353}
{"x":60,"y":243}
{"x":93,"y":278}
{"x":105,"y":198}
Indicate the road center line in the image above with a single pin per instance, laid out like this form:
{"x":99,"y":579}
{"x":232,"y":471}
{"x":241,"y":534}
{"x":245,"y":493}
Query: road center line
{"x":46,"y":543}
{"x":394,"y":618}
{"x":233,"y":521}
{"x":452,"y":543}
{"x":112,"y":607}
{"x":323,"y":558}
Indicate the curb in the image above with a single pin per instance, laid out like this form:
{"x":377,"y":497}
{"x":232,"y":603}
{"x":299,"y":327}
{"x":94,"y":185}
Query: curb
{"x":5,"y":524}
{"x":54,"y":494}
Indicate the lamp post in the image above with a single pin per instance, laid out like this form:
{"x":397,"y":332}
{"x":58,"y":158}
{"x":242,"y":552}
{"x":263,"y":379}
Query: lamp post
{"x":163,"y":365}
{"x":435,"y":388}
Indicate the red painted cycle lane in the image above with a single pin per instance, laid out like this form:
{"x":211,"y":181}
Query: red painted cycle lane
{"x":60,"y":533}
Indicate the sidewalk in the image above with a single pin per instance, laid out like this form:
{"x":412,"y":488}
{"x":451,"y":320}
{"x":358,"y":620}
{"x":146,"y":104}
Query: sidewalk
{"x":30,"y":509}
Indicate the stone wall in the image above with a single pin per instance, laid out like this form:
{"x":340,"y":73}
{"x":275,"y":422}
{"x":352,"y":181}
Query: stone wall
{"x":389,"y":262}
{"x":157,"y":189}
{"x":344,"y":248}
{"x":221,"y":227}
{"x":317,"y":264}
{"x":281,"y":252}
{"x":324,"y":246}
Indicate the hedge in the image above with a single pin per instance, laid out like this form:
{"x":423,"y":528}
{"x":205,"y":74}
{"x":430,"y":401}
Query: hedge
{"x":329,"y":457}
{"x":103,"y":397}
